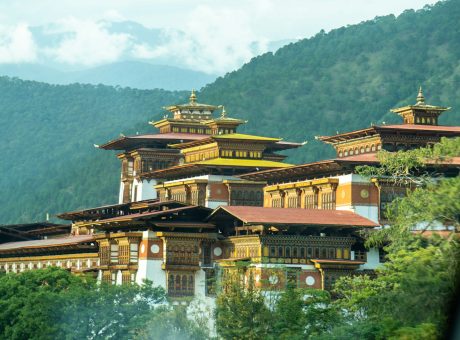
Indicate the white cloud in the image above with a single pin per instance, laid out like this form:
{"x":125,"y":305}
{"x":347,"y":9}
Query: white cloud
{"x":17,"y":45}
{"x":210,"y":39}
{"x":88,"y":43}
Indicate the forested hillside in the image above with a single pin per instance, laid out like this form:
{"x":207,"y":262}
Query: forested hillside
{"x":49,"y":162}
{"x":348,"y":78}
{"x":342,"y":80}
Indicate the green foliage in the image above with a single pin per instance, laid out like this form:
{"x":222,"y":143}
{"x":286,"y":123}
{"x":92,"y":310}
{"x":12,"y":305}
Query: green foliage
{"x":241,"y":312}
{"x":49,"y":162}
{"x":54,"y":304}
{"x":342,"y":80}
{"x":348,"y":78}
{"x":411,"y":293}
{"x":168,"y":323}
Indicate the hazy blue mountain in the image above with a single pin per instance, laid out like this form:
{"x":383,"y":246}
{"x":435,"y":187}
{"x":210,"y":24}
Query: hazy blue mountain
{"x":134,"y":74}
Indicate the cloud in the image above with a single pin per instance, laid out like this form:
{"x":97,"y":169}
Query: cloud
{"x":87,"y":43}
{"x":213,"y":40}
{"x":17,"y":45}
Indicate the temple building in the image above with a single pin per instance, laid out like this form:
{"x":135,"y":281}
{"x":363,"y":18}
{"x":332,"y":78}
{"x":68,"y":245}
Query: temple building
{"x":198,"y":197}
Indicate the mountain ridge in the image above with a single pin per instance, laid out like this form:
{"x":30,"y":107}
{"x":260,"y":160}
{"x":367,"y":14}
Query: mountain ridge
{"x":338,"y":81}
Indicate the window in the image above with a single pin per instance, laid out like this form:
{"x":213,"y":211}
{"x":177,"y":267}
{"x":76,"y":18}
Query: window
{"x":181,"y":284}
{"x":310,"y":201}
{"x":272,"y":251}
{"x":346,"y":253}
{"x":288,"y":252}
{"x":280,"y":252}
{"x":339,"y":253}
{"x":114,"y":253}
{"x":302,"y":252}
{"x":133,"y":250}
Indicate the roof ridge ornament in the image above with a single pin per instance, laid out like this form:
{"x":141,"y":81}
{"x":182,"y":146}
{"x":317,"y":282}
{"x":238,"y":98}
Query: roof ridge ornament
{"x":193,"y":98}
{"x":420,"y":97}
{"x":224,"y":113}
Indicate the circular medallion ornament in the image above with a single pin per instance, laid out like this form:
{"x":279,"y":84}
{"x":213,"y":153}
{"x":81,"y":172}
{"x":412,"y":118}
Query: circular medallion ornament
{"x":310,"y":280}
{"x":217,"y":251}
{"x":273,"y":279}
{"x":155,"y":248}
{"x":143,"y":249}
{"x":364,"y":193}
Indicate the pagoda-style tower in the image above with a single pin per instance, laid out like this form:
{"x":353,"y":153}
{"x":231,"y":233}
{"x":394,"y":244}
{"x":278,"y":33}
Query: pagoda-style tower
{"x":188,"y":137}
{"x":419,"y":128}
{"x":420,"y":113}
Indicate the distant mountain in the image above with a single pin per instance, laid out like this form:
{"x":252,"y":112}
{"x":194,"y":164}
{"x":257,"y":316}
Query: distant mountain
{"x":340,"y":81}
{"x":133,"y":74}
{"x":148,"y":59}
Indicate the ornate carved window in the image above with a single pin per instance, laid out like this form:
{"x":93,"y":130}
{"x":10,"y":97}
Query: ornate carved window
{"x":181,"y":284}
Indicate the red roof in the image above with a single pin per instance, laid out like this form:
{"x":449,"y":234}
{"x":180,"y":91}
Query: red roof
{"x":418,"y":127}
{"x":317,"y":217}
{"x":164,"y":138}
{"x":51,"y":242}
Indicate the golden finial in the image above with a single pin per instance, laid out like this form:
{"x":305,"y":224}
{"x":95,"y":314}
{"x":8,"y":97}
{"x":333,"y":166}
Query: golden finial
{"x":193,"y":97}
{"x":224,"y":113}
{"x":420,"y":97}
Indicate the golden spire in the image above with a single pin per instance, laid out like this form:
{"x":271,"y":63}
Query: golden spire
{"x":224,"y":113}
{"x":420,"y":97}
{"x":193,"y":97}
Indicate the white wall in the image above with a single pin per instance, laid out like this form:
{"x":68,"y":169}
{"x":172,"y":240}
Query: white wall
{"x":368,"y":211}
{"x":214,"y":204}
{"x":372,"y":259}
{"x":120,"y":195}
{"x":200,"y":283}
{"x":145,"y":190}
{"x":151,"y":270}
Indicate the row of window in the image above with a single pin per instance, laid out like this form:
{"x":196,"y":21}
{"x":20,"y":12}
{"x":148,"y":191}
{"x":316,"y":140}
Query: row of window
{"x":200,"y":131}
{"x":116,"y":254}
{"x":77,"y":264}
{"x":309,"y":252}
{"x":311,"y":201}
{"x":360,"y":150}
{"x":427,"y":120}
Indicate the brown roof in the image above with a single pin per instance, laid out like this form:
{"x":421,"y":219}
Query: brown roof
{"x":440,"y":130}
{"x":294,"y":216}
{"x":51,"y":242}
{"x":127,"y":142}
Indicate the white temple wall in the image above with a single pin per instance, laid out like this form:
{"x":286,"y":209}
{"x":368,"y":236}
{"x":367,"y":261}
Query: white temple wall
{"x":151,"y":270}
{"x":120,"y":195}
{"x":370,"y":212}
{"x":143,"y":190}
{"x":372,"y":259}
{"x":200,"y":283}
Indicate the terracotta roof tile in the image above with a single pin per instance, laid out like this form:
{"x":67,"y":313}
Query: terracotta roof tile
{"x":51,"y":242}
{"x":292,"y":216}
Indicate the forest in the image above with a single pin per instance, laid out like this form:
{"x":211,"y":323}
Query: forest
{"x":345,"y":79}
{"x":412,"y":295}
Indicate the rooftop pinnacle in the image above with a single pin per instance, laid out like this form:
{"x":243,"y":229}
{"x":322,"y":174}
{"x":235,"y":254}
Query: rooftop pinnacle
{"x":193,"y":97}
{"x":420,"y":97}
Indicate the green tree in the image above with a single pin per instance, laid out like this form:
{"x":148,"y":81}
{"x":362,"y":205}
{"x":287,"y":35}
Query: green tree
{"x":241,"y":312}
{"x":53,"y":303}
{"x":413,"y":289}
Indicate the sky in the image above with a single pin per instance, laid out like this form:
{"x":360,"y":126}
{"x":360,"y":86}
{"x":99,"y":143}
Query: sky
{"x":217,"y":36}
